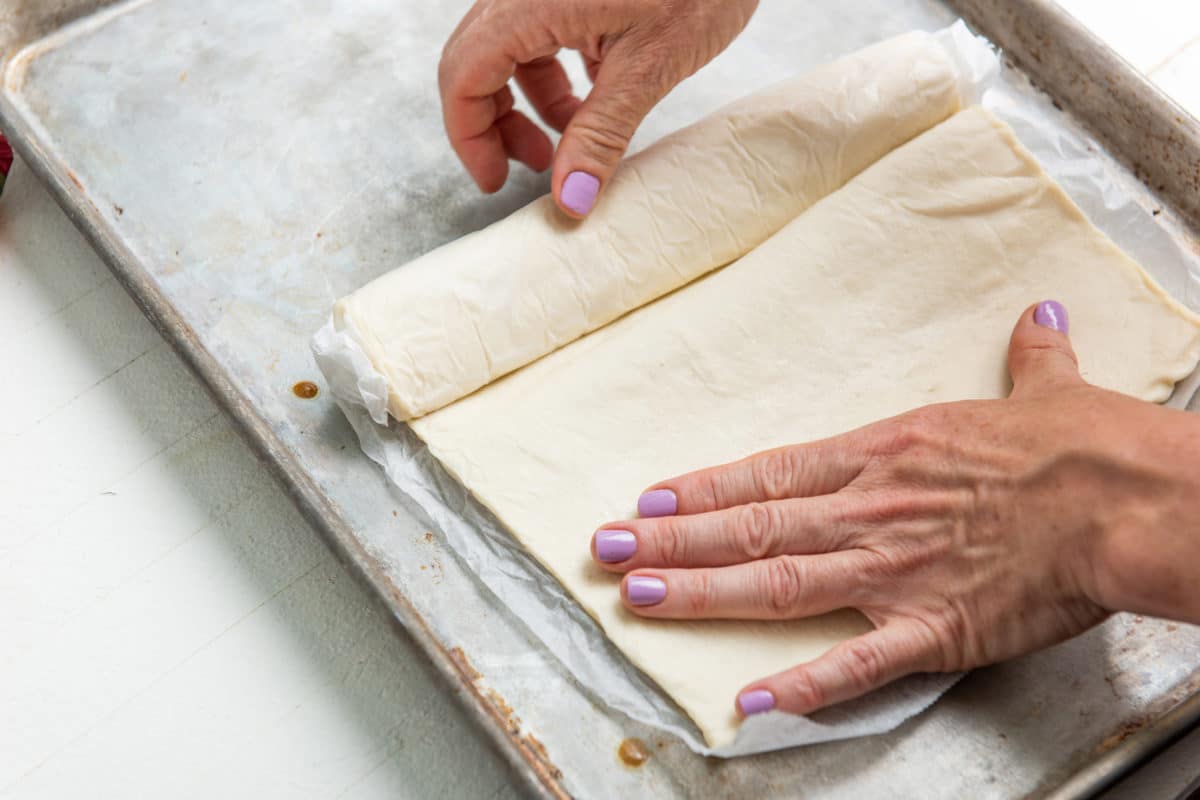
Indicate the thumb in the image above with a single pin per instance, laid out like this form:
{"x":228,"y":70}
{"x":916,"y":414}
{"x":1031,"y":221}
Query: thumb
{"x":1040,"y":355}
{"x":595,"y":140}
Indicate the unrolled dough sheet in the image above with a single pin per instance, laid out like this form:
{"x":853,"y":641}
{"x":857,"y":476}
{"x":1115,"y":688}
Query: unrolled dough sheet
{"x":480,"y":307}
{"x":898,"y":290}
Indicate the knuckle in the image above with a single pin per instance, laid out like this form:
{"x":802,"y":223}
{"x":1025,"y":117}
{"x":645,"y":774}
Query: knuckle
{"x":889,"y":505}
{"x":805,"y":691}
{"x":920,"y":423}
{"x":629,"y":99}
{"x":920,"y":431}
{"x":504,"y":102}
{"x":673,"y":546}
{"x":448,"y":59}
{"x":701,"y":597}
{"x":864,"y":666}
{"x":891,"y":564}
{"x":560,"y":107}
{"x":757,"y":531}
{"x":910,"y":431}
{"x":711,"y":491}
{"x":1047,"y":354}
{"x":783,"y":587}
{"x":775,"y":473}
{"x":652,"y":76}
{"x":882,"y":505}
{"x":602,"y":136}
{"x":946,"y":639}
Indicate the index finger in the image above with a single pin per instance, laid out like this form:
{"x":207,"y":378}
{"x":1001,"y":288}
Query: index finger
{"x":475,"y":65}
{"x":803,"y":470}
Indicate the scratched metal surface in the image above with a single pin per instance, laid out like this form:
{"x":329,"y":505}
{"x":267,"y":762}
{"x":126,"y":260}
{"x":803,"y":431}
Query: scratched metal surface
{"x":242,"y":165}
{"x":25,"y":21}
{"x":1151,"y":134}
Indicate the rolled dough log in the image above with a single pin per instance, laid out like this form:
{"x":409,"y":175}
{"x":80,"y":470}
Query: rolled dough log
{"x":484,"y":305}
{"x":898,"y":290}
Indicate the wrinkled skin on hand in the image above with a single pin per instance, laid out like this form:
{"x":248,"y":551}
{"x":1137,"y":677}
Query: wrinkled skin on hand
{"x":967,"y":533}
{"x":635,"y":52}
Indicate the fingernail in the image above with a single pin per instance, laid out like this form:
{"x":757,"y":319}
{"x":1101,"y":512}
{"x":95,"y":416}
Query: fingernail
{"x":758,"y":701}
{"x":645,"y":591}
{"x":613,"y":547}
{"x":579,"y":192}
{"x":1051,"y":314}
{"x":657,"y":503}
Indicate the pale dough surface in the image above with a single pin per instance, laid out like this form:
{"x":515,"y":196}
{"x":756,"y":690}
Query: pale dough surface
{"x":898,"y":290}
{"x":478,"y":308}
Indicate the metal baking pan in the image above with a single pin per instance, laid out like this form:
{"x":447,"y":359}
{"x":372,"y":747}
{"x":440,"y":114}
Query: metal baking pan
{"x":241,"y":165}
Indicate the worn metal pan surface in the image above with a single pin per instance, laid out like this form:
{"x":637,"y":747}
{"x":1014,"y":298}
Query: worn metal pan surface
{"x":239,"y":166}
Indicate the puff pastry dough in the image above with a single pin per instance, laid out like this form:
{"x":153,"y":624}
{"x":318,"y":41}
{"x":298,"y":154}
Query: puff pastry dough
{"x":484,"y":305}
{"x":851,"y":303}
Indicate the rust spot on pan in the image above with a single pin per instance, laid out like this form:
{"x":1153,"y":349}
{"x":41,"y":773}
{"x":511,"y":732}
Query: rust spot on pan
{"x":633,"y":752}
{"x":535,"y":758}
{"x":533,"y":752}
{"x":306,"y":390}
{"x":464,"y":665}
{"x":75,"y":179}
{"x":511,"y":720}
{"x":1124,"y":732}
{"x":535,"y":744}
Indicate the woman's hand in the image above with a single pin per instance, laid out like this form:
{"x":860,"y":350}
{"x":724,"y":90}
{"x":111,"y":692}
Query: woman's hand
{"x":635,"y":51}
{"x":967,"y":532}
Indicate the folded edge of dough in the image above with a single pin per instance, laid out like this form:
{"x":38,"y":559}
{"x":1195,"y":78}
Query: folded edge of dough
{"x":463,"y":315}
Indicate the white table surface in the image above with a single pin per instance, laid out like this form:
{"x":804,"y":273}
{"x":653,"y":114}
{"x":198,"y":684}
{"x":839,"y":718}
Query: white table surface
{"x":169,"y":625}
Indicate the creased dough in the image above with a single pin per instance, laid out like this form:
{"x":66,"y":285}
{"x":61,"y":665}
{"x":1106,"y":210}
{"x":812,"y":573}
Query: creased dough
{"x":898,"y":290}
{"x":484,"y":305}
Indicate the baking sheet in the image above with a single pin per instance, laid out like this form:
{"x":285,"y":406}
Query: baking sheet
{"x":543,"y":604}
{"x":327,"y":169}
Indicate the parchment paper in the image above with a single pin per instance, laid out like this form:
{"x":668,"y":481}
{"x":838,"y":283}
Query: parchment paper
{"x":519,"y":582}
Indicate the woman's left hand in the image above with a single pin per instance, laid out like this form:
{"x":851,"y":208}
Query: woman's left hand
{"x":967,"y":533}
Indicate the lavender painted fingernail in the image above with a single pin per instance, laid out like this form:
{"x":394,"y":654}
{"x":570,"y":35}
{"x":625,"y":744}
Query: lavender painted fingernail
{"x":645,"y":591}
{"x":657,"y":503}
{"x":1051,"y":314}
{"x":579,"y":192}
{"x":758,"y":701}
{"x":613,"y":547}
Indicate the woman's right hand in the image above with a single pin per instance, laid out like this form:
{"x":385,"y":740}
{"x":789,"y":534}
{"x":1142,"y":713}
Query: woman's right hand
{"x":635,"y":51}
{"x":967,"y":532}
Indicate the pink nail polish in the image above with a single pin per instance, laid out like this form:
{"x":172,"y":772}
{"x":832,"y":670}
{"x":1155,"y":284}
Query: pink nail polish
{"x":758,"y":701}
{"x":1051,"y":314}
{"x":657,"y":503}
{"x":613,"y":547}
{"x":645,"y":591}
{"x":579,"y":192}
